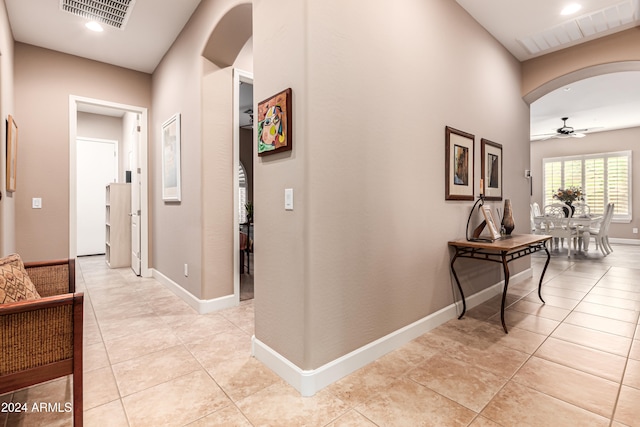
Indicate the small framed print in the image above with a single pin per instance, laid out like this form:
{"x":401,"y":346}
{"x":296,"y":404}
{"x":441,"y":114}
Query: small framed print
{"x":491,"y":169}
{"x":459,"y":159}
{"x":494,"y":231}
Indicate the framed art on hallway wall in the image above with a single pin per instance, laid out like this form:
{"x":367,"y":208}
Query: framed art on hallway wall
{"x":491,"y":169}
{"x":171,"y":159}
{"x":274,"y":124}
{"x":12,"y":153}
{"x":459,"y":159}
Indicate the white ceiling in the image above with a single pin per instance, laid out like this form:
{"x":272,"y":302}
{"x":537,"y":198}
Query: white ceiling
{"x":150,"y":31}
{"x":601,"y":103}
{"x":598,"y":103}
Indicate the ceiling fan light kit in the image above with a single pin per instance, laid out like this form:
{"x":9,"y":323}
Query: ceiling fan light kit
{"x":563,"y":132}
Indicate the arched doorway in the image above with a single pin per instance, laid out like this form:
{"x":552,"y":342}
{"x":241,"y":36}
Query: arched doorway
{"x":228,"y":50}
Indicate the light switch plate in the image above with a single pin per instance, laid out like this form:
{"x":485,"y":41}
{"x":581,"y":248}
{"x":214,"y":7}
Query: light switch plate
{"x":36,"y":203}
{"x":288,"y":199}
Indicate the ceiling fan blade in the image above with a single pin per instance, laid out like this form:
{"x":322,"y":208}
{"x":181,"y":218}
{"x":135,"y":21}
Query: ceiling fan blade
{"x":578,"y":135}
{"x":543,"y":137}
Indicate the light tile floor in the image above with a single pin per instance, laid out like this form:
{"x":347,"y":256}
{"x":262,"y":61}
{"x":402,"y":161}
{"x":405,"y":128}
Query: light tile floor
{"x":150,"y":360}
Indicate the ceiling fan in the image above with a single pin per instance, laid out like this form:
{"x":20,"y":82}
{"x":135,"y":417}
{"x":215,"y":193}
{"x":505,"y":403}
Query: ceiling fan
{"x":563,"y":132}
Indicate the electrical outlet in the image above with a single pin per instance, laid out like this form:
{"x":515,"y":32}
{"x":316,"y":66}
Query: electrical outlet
{"x":635,"y":230}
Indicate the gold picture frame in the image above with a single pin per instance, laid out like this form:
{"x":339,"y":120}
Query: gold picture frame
{"x":12,"y":153}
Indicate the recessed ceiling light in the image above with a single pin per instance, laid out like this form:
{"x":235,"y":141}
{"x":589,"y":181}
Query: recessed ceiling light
{"x":571,"y":9}
{"x":94,"y":26}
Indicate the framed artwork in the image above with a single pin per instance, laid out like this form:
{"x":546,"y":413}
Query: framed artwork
{"x":274,"y":124}
{"x":459,"y":159}
{"x":491,"y":169}
{"x":12,"y":153}
{"x":494,"y":231}
{"x":171,"y":159}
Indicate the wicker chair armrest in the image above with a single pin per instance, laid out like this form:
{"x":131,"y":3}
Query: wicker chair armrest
{"x":35,"y":333}
{"x":52,"y":277}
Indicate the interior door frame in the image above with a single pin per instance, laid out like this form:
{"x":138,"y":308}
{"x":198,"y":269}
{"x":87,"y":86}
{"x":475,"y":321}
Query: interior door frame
{"x":246,"y":77}
{"x":74,"y":103}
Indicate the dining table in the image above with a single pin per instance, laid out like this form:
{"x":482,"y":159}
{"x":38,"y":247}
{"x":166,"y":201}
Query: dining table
{"x":580,"y":222}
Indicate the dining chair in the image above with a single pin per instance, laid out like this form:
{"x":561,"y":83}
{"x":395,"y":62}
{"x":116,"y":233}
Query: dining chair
{"x":600,"y":232}
{"x":536,"y":209}
{"x":555,"y":209}
{"x":557,"y":225}
{"x":581,"y":209}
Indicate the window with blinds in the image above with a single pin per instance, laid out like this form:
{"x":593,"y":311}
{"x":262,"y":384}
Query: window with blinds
{"x":605,"y":178}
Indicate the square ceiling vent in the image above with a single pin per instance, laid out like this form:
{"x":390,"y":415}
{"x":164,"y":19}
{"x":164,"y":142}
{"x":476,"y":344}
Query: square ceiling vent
{"x":114,"y":13}
{"x":618,"y":16}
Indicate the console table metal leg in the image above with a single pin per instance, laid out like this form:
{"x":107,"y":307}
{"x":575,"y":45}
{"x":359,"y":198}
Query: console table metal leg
{"x":544,"y":270}
{"x":455,"y":276}
{"x":505,"y":268}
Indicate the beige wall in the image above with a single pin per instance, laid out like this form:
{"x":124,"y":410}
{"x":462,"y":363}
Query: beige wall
{"x":365,"y":253}
{"x":7,"y":204}
{"x":44,"y":80}
{"x":597,"y":142}
{"x":198,"y":231}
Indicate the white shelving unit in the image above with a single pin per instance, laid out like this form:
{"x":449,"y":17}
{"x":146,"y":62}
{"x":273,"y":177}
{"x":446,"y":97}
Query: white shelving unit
{"x":118,"y":225}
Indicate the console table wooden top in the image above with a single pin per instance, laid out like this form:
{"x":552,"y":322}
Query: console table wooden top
{"x":509,"y":243}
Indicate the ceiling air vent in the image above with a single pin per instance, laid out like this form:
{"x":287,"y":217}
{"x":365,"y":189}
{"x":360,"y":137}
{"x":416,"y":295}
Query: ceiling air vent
{"x":619,"y":15}
{"x":109,"y":12}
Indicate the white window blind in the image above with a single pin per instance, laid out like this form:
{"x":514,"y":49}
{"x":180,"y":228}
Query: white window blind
{"x":605,"y":178}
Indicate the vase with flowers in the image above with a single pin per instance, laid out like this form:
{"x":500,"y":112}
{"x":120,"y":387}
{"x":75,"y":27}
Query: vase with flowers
{"x":569,"y":195}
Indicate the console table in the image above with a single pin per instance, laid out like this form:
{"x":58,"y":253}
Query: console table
{"x":503,"y":250}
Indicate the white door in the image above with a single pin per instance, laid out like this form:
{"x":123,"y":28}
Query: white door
{"x":96,"y":168}
{"x":135,"y":199}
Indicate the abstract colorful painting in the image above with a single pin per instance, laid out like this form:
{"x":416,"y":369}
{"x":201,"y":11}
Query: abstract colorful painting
{"x":274,"y":124}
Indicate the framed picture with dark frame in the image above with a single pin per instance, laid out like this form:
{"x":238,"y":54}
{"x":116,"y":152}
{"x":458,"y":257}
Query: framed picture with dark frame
{"x":491,"y":169}
{"x":274,"y":124}
{"x":459,"y":160}
{"x":171,"y":159}
{"x":12,"y":153}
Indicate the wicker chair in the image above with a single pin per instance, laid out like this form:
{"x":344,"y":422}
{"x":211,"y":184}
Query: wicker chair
{"x":41,"y":339}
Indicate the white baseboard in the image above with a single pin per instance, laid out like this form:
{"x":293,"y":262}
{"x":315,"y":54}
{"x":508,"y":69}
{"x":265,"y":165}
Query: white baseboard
{"x":624,"y":241}
{"x":200,"y":305}
{"x":309,"y":382}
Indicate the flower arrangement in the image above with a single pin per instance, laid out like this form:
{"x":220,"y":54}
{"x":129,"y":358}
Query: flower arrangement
{"x":569,"y":195}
